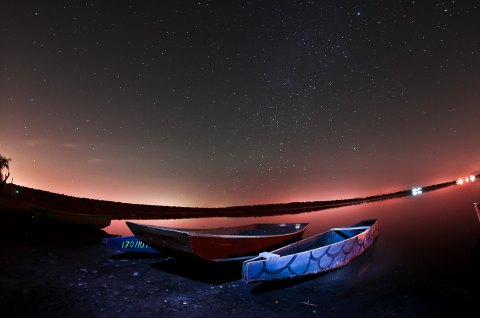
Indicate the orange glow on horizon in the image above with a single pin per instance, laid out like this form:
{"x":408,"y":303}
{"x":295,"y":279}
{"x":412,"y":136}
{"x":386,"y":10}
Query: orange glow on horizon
{"x":73,"y":175}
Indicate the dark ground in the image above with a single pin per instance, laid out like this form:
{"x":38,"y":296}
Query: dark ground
{"x":49,"y":271}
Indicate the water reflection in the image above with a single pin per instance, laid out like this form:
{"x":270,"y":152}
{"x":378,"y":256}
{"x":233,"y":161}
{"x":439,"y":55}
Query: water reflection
{"x":429,"y":236}
{"x":435,"y":207}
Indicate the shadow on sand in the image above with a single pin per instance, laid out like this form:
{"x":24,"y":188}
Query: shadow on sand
{"x":202,"y":271}
{"x":23,"y":227}
{"x":135,"y":255}
{"x":267,"y":287}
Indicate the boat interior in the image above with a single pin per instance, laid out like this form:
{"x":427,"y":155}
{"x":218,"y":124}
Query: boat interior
{"x":255,"y":229}
{"x":333,"y":236}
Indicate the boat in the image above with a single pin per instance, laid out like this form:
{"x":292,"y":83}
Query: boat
{"x":315,"y":254}
{"x":69,"y":218}
{"x":477,"y":208}
{"x":218,"y":244}
{"x":127,"y":244}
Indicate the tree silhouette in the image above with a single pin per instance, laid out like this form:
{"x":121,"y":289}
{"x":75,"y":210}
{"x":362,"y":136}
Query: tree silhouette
{"x":4,"y":165}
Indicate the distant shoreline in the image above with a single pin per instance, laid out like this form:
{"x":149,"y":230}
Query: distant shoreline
{"x":22,"y":199}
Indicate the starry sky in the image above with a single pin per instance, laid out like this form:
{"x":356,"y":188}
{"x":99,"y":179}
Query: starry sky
{"x":220,"y":103}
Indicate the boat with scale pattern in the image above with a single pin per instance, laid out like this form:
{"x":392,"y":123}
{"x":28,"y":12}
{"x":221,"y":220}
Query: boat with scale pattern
{"x":319,"y":253}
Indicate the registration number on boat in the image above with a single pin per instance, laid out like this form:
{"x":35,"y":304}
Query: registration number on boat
{"x":134,"y":244}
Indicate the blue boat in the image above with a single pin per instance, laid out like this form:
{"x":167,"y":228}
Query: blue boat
{"x":127,"y":244}
{"x":319,"y":253}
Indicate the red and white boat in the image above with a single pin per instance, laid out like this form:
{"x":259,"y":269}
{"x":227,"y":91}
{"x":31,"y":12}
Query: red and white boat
{"x":220,"y":244}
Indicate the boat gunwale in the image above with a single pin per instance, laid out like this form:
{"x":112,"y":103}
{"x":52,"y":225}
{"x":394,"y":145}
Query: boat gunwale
{"x":192,"y":233}
{"x":259,"y":258}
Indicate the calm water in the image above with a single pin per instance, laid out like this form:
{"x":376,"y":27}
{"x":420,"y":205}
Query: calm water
{"x":423,"y":264}
{"x":436,"y":233}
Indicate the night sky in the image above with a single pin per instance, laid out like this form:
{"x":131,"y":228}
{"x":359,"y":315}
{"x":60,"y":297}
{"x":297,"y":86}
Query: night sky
{"x":219,"y":103}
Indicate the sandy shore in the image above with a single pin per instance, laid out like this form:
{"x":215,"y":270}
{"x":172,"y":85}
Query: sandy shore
{"x":58,"y":272}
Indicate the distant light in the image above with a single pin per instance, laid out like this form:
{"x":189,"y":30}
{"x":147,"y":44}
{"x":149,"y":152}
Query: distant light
{"x":466,"y":179}
{"x":416,"y":191}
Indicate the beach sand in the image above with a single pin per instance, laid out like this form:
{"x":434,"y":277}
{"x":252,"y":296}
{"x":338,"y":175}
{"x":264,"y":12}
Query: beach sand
{"x":50,"y":271}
